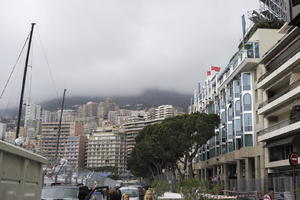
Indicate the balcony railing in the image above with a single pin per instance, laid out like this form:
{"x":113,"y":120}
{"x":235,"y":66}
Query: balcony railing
{"x":277,"y":61}
{"x":279,"y":94}
{"x":279,"y":125}
{"x":251,"y":50}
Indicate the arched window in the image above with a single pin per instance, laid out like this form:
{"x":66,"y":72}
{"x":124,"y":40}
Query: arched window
{"x":247,"y":102}
{"x":237,"y":108}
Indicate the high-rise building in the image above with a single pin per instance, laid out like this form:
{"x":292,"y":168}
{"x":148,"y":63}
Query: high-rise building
{"x":132,"y":129}
{"x":48,"y":116}
{"x":105,"y":107}
{"x":165,"y":111}
{"x":75,"y":151}
{"x":233,"y":156}
{"x":49,"y":138}
{"x":150,"y":114}
{"x":106,"y":148}
{"x":32,"y":111}
{"x":33,"y":114}
{"x":67,"y":116}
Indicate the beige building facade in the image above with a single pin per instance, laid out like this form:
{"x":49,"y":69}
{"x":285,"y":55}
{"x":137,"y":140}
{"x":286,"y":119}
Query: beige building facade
{"x":279,"y":109}
{"x":107,"y":148}
{"x":49,"y":138}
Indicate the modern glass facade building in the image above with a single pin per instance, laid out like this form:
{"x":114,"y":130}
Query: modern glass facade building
{"x":233,"y":155}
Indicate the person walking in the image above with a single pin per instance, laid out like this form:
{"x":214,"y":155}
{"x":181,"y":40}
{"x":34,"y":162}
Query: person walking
{"x":114,"y":194}
{"x":148,"y":195}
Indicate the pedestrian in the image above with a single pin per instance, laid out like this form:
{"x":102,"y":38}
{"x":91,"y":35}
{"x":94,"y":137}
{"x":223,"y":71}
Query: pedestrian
{"x":148,"y":195}
{"x":125,"y":196}
{"x":83,"y":192}
{"x":114,"y":194}
{"x":272,"y":194}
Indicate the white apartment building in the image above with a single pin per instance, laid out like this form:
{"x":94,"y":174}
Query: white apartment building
{"x":233,"y":157}
{"x":165,"y":111}
{"x":107,"y":148}
{"x":33,"y":113}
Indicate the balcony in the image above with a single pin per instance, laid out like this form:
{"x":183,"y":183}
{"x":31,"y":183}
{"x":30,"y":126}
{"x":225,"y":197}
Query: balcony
{"x":279,"y":129}
{"x":278,"y":99}
{"x":276,"y":60}
{"x":244,"y":60}
{"x":282,"y":66}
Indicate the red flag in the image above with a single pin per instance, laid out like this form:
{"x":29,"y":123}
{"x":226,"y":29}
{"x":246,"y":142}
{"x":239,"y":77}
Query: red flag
{"x":208,"y":73}
{"x":214,"y":68}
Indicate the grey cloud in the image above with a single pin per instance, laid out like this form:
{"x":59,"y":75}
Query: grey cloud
{"x":120,"y":47}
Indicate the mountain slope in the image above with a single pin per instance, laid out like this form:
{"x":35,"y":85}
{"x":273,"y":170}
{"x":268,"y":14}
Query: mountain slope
{"x":149,"y":98}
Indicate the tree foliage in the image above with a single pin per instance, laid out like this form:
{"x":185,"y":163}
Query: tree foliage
{"x":177,"y":139}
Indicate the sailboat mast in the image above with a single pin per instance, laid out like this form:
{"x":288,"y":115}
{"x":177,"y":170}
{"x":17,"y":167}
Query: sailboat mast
{"x":60,"y":120}
{"x":24,"y":81}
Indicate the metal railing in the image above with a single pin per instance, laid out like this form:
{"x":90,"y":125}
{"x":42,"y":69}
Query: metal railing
{"x":279,"y":125}
{"x":276,"y":62}
{"x":281,"y":93}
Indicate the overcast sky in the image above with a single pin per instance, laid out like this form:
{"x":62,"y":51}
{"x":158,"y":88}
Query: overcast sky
{"x":113,"y":47}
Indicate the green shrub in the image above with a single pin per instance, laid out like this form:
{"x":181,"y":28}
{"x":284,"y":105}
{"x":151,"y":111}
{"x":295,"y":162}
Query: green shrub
{"x":160,"y":187}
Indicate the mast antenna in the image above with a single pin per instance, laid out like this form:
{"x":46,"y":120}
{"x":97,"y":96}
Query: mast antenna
{"x":24,"y":81}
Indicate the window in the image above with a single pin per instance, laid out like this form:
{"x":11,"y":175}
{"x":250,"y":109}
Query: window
{"x":222,"y":104}
{"x":247,"y":102}
{"x":237,"y":89}
{"x":256,"y":49}
{"x":229,"y":92}
{"x":230,"y":146}
{"x":217,"y":108}
{"x":223,"y":135}
{"x":237,"y":108}
{"x":238,"y":127}
{"x":229,"y":132}
{"x":280,"y":152}
{"x":224,"y":149}
{"x":247,"y":122}
{"x":239,"y":143}
{"x":246,"y":81}
{"x":248,"y":140}
{"x":223,"y":117}
{"x":230,"y":113}
{"x":249,"y":48}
